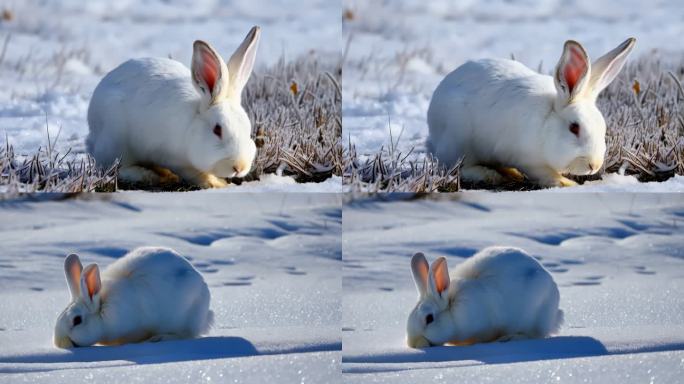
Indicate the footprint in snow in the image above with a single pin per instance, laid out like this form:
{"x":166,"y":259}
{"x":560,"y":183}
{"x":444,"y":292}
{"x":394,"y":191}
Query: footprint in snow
{"x":589,"y":281}
{"x":237,"y":283}
{"x":642,"y":270}
{"x":293,"y":271}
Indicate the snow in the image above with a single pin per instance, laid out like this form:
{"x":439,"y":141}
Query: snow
{"x":59,"y":50}
{"x":276,"y":183}
{"x":617,"y":259}
{"x":394,"y":63}
{"x":614,"y":182}
{"x":271,"y":261}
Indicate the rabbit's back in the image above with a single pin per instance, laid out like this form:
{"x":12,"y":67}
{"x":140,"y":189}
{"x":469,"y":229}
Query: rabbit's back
{"x":508,"y":290}
{"x":149,"y":262}
{"x":137,"y":107}
{"x":486,"y":110}
{"x":157,"y":289}
{"x":498,"y":262}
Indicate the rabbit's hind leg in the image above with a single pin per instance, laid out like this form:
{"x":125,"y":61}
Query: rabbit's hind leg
{"x":165,"y":175}
{"x":479,"y":173}
{"x":138,"y":174}
{"x":511,"y":173}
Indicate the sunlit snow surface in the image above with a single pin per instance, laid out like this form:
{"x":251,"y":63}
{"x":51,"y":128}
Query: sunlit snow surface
{"x":272,"y":263}
{"x":617,"y":258}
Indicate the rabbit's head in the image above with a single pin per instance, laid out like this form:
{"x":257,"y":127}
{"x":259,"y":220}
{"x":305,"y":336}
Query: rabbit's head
{"x":575,"y":129}
{"x":430,"y":321}
{"x":80,"y":324}
{"x":221,"y":142}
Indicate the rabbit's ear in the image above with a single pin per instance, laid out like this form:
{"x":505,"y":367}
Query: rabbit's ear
{"x":572,"y":72}
{"x":209,"y":72}
{"x":241,"y":63}
{"x":439,"y":278}
{"x":606,"y":68}
{"x":90,"y":286}
{"x":72,"y":272}
{"x":419,"y":267}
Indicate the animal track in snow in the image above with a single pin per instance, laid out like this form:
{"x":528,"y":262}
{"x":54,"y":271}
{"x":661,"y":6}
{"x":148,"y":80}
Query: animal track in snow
{"x":210,"y":236}
{"x":559,"y":236}
{"x":642,"y":270}
{"x":456,"y":251}
{"x":292,"y":270}
{"x":113,"y":252}
{"x":589,"y":280}
{"x":240,"y":281}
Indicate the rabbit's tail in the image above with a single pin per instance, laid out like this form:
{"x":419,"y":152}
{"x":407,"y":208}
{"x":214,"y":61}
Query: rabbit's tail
{"x":560,"y":319}
{"x":208,"y":322}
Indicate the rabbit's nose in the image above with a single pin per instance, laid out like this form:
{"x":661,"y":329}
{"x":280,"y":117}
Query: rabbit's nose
{"x":595,"y":165}
{"x":241,"y":167}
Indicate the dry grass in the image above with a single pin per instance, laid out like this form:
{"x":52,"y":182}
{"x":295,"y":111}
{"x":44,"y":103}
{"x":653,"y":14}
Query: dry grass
{"x":296,"y":110}
{"x":50,"y":171}
{"x":644,"y":111}
{"x":295,"y":107}
{"x":393,"y":171}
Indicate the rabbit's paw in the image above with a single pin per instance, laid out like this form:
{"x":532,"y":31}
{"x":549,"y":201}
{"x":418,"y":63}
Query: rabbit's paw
{"x":547,"y":177}
{"x":211,"y":181}
{"x":565,"y":182}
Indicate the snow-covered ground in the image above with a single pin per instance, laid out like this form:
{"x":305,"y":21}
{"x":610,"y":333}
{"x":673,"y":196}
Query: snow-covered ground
{"x":272,"y":263}
{"x":617,"y":258}
{"x":56,"y":51}
{"x":398,"y":51}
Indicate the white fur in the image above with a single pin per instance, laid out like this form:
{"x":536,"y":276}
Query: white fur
{"x":150,"y":294}
{"x":498,"y":294}
{"x":154,"y":114}
{"x":497,"y":114}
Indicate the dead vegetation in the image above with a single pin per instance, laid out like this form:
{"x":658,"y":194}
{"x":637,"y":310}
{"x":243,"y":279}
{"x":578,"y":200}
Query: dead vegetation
{"x":50,"y":171}
{"x":296,"y":109}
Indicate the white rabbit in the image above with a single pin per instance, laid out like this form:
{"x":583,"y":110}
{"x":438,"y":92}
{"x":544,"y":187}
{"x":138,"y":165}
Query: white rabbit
{"x":498,"y":294}
{"x":157,"y":116}
{"x":150,"y":294}
{"x":499,"y":115}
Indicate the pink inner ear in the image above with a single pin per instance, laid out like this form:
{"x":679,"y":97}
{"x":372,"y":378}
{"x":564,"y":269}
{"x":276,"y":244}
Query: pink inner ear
{"x":575,"y":67}
{"x":441,"y":276}
{"x":210,"y":67}
{"x":92,"y":282}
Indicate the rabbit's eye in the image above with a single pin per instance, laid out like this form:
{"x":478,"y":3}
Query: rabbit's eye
{"x":217,"y":130}
{"x":574,"y":128}
{"x":77,"y":320}
{"x":429,"y":319}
